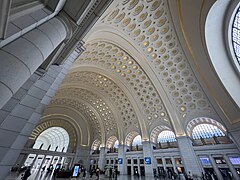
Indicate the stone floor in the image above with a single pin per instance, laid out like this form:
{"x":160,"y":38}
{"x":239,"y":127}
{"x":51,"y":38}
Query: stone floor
{"x":44,"y":176}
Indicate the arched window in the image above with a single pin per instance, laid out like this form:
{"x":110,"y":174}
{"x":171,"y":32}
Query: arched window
{"x":111,"y":141}
{"x":96,"y":144}
{"x":53,"y":139}
{"x":166,"y":136}
{"x":224,"y":52}
{"x":137,"y":140}
{"x":206,"y":131}
{"x":235,"y":31}
{"x":116,"y":144}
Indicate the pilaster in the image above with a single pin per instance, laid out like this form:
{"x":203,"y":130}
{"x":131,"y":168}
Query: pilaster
{"x":149,"y":159}
{"x":102,"y":157}
{"x":191,"y":162}
{"x":122,"y":161}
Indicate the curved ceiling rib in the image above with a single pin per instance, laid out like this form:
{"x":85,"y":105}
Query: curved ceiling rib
{"x":123,"y":67}
{"x":96,"y":102}
{"x":110,"y":90}
{"x":89,"y":114}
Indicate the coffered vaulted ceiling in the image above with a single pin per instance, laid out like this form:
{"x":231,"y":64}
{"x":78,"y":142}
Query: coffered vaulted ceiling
{"x":134,"y":75}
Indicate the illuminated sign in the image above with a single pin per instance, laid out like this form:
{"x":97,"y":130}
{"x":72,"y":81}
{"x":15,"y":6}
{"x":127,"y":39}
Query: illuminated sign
{"x":120,"y":160}
{"x":147,"y":160}
{"x":205,"y":161}
{"x":75,"y":171}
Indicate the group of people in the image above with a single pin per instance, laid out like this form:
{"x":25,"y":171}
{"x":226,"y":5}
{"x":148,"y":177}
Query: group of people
{"x":111,"y":173}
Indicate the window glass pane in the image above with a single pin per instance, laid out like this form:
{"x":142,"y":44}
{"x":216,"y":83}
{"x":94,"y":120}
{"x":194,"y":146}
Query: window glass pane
{"x":166,"y":136}
{"x":168,"y":161}
{"x":236,"y":35}
{"x":159,"y":161}
{"x":206,"y":131}
{"x":137,"y":141}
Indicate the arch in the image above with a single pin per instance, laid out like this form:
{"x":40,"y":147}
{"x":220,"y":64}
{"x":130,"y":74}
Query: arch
{"x":137,"y":140}
{"x":96,"y":144}
{"x":166,"y":136}
{"x":39,"y":129}
{"x":203,"y":120}
{"x":206,"y":131}
{"x":115,"y":82}
{"x":88,"y":114}
{"x":57,"y":137}
{"x":219,"y":45}
{"x":110,"y":142}
{"x":156,"y":131}
{"x":129,"y":138}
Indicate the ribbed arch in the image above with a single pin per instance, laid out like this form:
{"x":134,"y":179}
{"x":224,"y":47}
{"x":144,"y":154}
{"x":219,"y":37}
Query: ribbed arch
{"x":57,"y":137}
{"x":208,"y":122}
{"x":96,"y":144}
{"x":166,"y":136}
{"x":156,"y":131}
{"x":68,"y":127}
{"x":130,"y":137}
{"x":110,"y":142}
{"x":90,"y":115}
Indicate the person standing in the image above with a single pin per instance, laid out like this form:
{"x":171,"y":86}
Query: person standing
{"x":97,"y":173}
{"x":115,"y":173}
{"x":84,"y":173}
{"x":110,"y":173}
{"x":27,"y":173}
{"x":190,"y":176}
{"x":91,"y":172}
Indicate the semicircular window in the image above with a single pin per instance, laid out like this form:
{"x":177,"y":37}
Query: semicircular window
{"x":166,"y":136}
{"x":236,"y":36}
{"x":206,"y":131}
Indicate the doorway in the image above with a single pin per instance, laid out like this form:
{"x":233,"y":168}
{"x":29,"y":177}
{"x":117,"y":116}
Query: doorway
{"x":129,"y":170}
{"x":226,"y":173}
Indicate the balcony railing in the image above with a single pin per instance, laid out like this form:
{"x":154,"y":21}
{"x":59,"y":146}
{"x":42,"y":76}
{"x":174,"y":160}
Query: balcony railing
{"x":212,"y":141}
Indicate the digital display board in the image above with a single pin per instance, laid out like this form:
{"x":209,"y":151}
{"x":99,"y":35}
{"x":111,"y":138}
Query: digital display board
{"x":75,"y":171}
{"x":205,"y":161}
{"x":147,"y":160}
{"x":120,"y":160}
{"x":235,"y":160}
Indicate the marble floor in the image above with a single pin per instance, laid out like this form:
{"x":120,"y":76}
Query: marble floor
{"x":36,"y":175}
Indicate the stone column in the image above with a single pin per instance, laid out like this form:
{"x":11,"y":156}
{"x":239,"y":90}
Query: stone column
{"x":138,"y":164}
{"x":102,"y":157}
{"x":5,"y":8}
{"x":164,"y":164}
{"x":218,"y":173}
{"x":174,"y":165}
{"x":191,"y":161}
{"x":122,"y":155}
{"x":148,"y":153}
{"x":31,"y":98}
{"x":231,"y":167}
{"x":132,"y":166}
{"x":34,"y":160}
{"x":21,"y":58}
